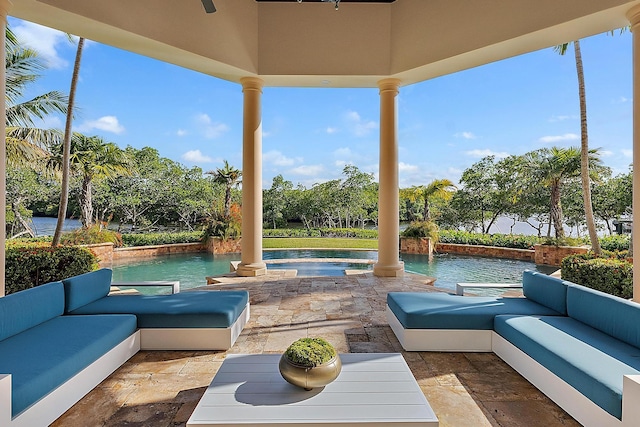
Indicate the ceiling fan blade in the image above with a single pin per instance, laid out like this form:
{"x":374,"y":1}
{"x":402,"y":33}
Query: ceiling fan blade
{"x":208,"y":6}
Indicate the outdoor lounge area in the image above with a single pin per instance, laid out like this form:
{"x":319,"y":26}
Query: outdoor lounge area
{"x":162,"y":388}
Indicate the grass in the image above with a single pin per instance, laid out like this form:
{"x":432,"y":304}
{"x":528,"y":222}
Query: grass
{"x":318,"y":242}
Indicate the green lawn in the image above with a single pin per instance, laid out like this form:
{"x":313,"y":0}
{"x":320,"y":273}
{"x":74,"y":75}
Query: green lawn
{"x":318,"y":242}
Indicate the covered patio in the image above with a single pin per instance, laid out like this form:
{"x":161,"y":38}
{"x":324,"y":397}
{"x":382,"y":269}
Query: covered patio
{"x":386,"y":44}
{"x":464,"y":389}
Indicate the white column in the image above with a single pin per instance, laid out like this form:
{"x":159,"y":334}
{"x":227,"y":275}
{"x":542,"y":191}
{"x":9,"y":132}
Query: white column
{"x":389,"y":264}
{"x":634,"y":18}
{"x":5,"y":5}
{"x":251,"y":263}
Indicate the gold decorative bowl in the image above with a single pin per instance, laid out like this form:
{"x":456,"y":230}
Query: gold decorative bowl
{"x":309,"y":378}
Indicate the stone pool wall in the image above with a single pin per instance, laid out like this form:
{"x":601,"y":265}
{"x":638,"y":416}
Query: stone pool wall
{"x":488,"y":251}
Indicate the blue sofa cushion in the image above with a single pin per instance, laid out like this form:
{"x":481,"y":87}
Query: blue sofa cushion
{"x":546,"y":290}
{"x":85,"y":288}
{"x":590,"y":361}
{"x":44,"y":357}
{"x":426,"y":310}
{"x":28,"y":308}
{"x":195,"y":309}
{"x":612,"y":315}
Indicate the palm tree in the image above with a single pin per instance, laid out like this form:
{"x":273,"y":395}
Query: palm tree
{"x":584,"y":147}
{"x":24,"y":142}
{"x":439,"y":188}
{"x":66,"y":147}
{"x":91,"y":158}
{"x":229,"y":177}
{"x":553,"y":167}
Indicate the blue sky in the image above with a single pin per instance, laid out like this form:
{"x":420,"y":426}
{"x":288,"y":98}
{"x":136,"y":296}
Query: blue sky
{"x":445,"y":124}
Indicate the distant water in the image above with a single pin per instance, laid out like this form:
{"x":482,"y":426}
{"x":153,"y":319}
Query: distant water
{"x":45,"y":226}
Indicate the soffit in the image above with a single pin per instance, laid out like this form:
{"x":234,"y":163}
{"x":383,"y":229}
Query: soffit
{"x":311,"y":44}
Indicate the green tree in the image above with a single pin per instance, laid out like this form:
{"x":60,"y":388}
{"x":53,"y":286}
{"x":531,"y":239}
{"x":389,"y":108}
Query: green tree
{"x":437,"y":189}
{"x":584,"y":147}
{"x":26,"y":143}
{"x":553,"y":167}
{"x":230,"y":178}
{"x":276,"y":199}
{"x":91,"y":158}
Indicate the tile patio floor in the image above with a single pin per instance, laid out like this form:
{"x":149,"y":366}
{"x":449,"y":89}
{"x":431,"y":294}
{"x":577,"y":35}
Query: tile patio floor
{"x":162,"y":388}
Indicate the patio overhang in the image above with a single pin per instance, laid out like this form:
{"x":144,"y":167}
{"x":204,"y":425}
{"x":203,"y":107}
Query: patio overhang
{"x":311,"y":45}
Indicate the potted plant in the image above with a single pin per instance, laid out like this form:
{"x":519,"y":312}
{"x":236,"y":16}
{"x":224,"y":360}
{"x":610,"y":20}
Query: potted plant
{"x":420,"y":237}
{"x":309,"y":363}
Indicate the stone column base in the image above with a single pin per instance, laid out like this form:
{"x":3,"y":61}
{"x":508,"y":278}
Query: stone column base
{"x":389,"y":270}
{"x":252,"y":270}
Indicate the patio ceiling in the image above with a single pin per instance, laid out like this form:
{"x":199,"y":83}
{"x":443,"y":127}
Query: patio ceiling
{"x":311,"y":44}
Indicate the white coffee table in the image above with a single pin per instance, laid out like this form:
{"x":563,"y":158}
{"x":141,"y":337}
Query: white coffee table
{"x":373,"y":389}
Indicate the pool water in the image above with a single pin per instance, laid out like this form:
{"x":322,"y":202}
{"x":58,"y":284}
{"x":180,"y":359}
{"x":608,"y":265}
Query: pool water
{"x":191,"y":269}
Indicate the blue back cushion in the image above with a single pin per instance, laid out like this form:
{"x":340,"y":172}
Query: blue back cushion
{"x":614,"y":316}
{"x":546,"y":290}
{"x":86,"y":288}
{"x":31,"y":307}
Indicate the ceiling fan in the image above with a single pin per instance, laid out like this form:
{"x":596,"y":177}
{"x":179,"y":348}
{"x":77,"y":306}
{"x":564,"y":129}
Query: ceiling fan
{"x":208,"y":6}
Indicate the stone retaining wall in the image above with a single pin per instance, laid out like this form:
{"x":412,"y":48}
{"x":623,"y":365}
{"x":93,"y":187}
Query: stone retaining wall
{"x":410,"y":245}
{"x":553,"y":255}
{"x":218,"y":246}
{"x":488,"y":251}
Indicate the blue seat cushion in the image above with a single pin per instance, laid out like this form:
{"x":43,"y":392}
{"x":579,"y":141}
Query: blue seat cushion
{"x":195,"y":309}
{"x":44,"y":357}
{"x":427,"y":310}
{"x":546,"y":290}
{"x":590,"y":361}
{"x":28,"y":308}
{"x":610,"y":314}
{"x":86,"y":288}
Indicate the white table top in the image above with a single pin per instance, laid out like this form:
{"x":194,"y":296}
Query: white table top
{"x":373,"y":389}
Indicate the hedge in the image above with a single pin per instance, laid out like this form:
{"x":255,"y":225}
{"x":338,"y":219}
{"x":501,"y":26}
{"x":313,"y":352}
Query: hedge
{"x":152,"y":239}
{"x":607,"y":274}
{"x":27,"y":266}
{"x":356,"y":233}
{"x":515,"y":241}
{"x":615,"y":242}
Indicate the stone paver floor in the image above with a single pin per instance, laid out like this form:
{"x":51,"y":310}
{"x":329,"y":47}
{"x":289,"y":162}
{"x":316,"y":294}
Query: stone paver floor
{"x":162,"y":388}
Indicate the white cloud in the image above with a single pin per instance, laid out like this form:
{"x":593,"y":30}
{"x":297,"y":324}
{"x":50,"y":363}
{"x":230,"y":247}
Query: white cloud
{"x":487,"y":152}
{"x":605,"y":153}
{"x":405,"y":167}
{"x":46,"y":41}
{"x":196,"y":156}
{"x":209,"y":128}
{"x":331,"y":130}
{"x":552,"y":139}
{"x":359,"y":126}
{"x":277,"y":158}
{"x":106,"y":123}
{"x":621,"y":100}
{"x":307,"y":170}
{"x":465,"y":135}
{"x":182,"y":132}
{"x":627,"y":153}
{"x":561,"y":118}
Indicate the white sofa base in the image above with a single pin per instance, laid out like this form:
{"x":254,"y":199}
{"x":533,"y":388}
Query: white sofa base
{"x":193,"y":338}
{"x":54,"y":404}
{"x":568,"y":398}
{"x":448,"y":340}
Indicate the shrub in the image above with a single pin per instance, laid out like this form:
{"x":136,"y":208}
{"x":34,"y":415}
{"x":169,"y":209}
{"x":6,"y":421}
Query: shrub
{"x":607,"y":274}
{"x":90,"y":236}
{"x":615,"y":242}
{"x":32,"y":265}
{"x":152,"y":239}
{"x":420,"y":229}
{"x":355,"y":233}
{"x":515,"y":241}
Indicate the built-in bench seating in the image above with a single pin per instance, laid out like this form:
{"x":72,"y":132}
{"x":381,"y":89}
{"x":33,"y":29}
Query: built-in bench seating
{"x":192,"y":320}
{"x":60,"y":340}
{"x":579,"y":346}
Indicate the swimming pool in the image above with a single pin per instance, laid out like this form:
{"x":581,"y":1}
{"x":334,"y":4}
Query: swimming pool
{"x":191,"y":269}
